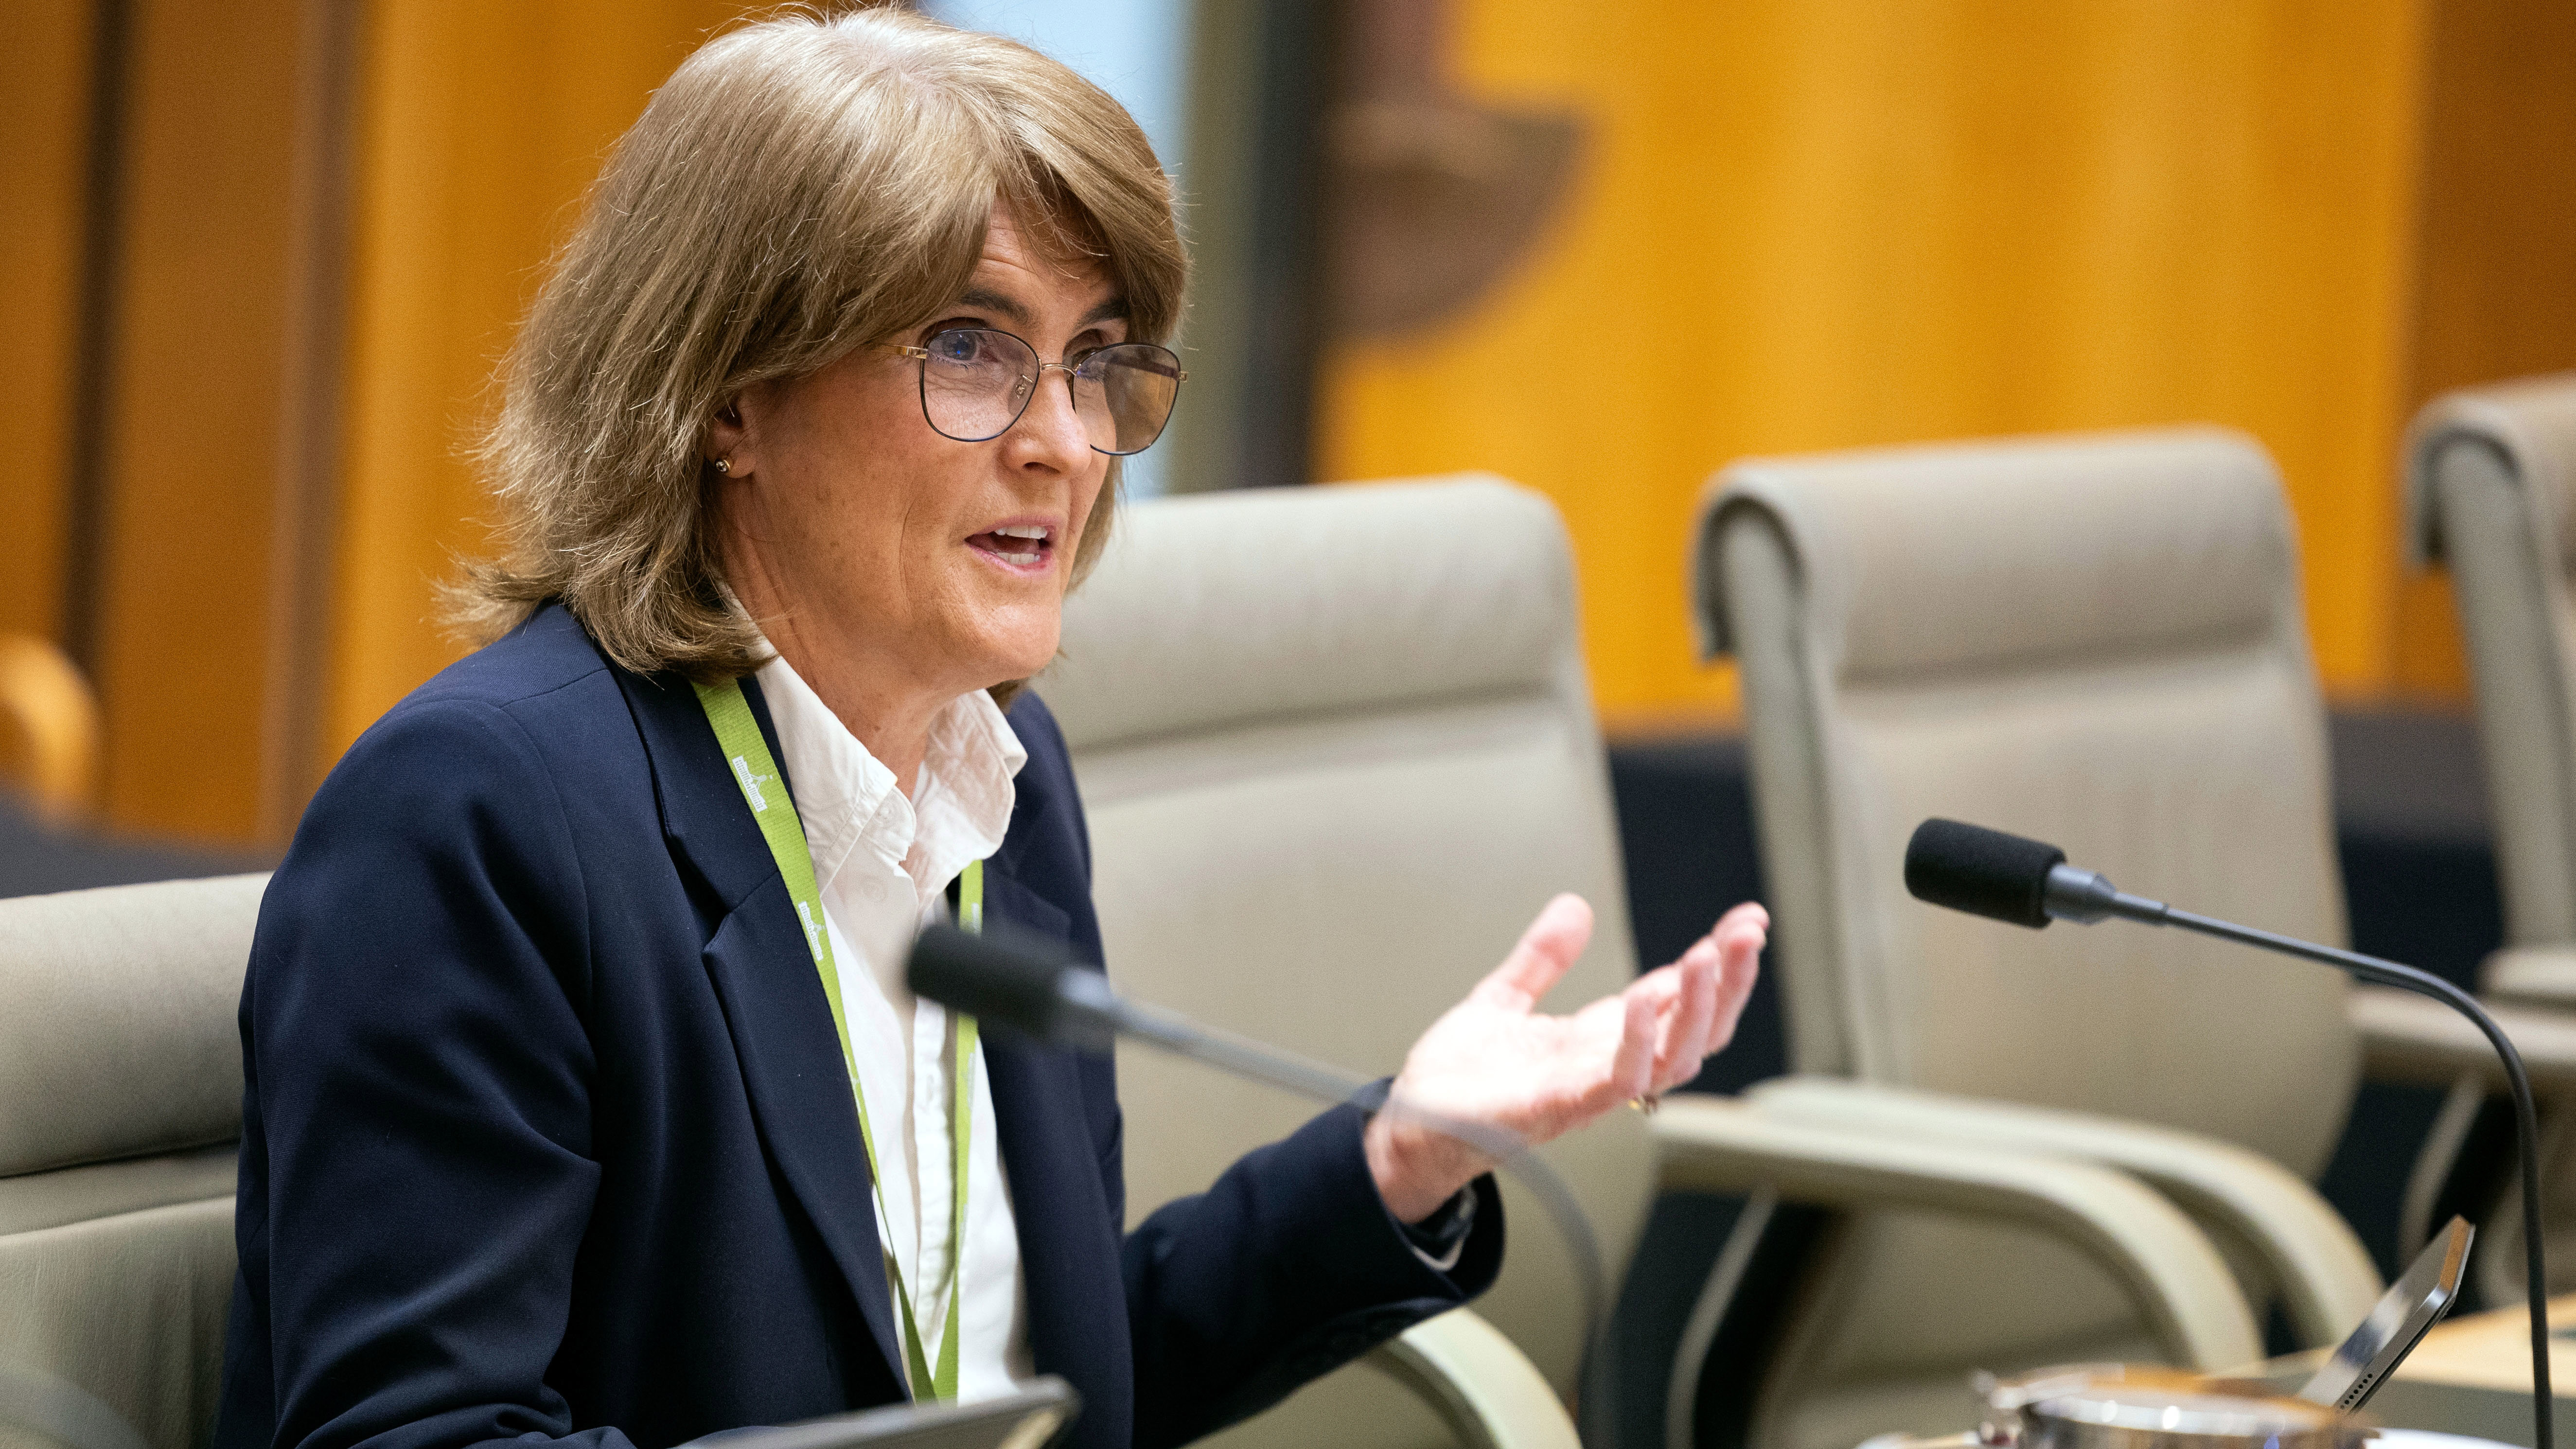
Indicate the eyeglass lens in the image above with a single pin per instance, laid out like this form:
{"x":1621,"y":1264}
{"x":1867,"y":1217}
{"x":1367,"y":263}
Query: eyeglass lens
{"x":976,"y":382}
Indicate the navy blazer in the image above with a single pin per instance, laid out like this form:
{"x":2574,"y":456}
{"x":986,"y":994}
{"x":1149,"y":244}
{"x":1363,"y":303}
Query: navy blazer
{"x":546,"y":1134}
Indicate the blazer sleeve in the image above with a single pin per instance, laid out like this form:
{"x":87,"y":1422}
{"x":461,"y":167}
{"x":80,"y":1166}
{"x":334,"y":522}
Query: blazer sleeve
{"x":1285,"y":1269}
{"x":414,"y":1025}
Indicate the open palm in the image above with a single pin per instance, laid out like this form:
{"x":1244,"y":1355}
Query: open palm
{"x":1496,"y":1061}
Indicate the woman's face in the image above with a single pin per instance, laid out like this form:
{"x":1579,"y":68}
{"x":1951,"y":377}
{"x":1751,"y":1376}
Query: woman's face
{"x":878,"y":543}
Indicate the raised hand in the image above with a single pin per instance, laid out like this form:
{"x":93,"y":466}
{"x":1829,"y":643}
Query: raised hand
{"x":1494,"y":1060}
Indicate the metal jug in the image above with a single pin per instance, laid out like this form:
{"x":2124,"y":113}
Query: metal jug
{"x":2129,"y":1406}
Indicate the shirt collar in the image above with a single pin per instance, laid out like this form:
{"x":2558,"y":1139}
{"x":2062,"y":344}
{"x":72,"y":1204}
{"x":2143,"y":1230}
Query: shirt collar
{"x":845,"y":796}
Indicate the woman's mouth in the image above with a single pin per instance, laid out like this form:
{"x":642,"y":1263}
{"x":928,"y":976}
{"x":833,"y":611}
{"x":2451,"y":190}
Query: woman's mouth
{"x":1025,"y":546}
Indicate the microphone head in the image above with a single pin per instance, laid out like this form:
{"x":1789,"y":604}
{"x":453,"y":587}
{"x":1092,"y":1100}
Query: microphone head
{"x":1000,"y":976}
{"x":1980,"y":871}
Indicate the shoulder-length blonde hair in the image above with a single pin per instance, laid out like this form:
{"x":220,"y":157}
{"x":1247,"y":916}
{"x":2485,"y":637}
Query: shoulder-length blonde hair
{"x":799,"y":187}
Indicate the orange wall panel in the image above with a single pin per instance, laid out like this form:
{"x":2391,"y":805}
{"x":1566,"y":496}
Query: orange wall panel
{"x":2495,"y":293}
{"x":1844,"y":223}
{"x":44,"y":138}
{"x":194,"y":443}
{"x":1821,"y":225}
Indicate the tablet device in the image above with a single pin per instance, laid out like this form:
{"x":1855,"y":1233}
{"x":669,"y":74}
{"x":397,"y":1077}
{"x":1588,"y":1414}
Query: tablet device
{"x":1028,"y":1419}
{"x":2396,"y":1322}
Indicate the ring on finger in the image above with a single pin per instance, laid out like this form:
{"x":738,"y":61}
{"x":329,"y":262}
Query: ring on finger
{"x":1647,"y":1103}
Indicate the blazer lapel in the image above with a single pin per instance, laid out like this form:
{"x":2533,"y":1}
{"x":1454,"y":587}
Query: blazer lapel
{"x":773,"y":1000}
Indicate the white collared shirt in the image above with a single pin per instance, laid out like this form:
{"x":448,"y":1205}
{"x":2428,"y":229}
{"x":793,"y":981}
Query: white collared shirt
{"x":882,"y":864}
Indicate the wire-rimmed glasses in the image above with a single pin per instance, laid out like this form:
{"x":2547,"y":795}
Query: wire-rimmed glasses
{"x":976,"y":381}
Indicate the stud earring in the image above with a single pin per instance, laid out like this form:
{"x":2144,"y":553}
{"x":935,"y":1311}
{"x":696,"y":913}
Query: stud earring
{"x":725,"y":466}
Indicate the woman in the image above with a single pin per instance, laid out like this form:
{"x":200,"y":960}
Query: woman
{"x":563,"y":1000}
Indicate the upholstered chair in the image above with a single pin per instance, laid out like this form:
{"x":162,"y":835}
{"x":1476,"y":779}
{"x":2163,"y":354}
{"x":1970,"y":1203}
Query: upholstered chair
{"x":120,"y":1104}
{"x":1336,"y":749}
{"x":2097,"y":641}
{"x":2491,"y":494}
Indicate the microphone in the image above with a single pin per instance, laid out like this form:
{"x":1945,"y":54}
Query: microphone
{"x":1036,"y":985}
{"x":2008,"y":878}
{"x":1030,"y":982}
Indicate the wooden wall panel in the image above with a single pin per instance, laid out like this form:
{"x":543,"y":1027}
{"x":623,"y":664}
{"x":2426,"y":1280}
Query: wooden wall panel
{"x":1845,"y":222}
{"x":43,"y":150}
{"x":1821,"y":225}
{"x":2495,"y":270}
{"x":486,"y":122}
{"x":193,"y":444}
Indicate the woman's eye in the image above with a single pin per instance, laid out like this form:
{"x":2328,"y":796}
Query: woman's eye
{"x":959,"y":347}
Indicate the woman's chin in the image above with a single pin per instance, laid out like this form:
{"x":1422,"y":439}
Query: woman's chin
{"x":1015,"y":654}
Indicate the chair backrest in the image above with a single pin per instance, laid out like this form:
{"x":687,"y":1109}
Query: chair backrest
{"x":2097,"y":641}
{"x":120,"y":1104}
{"x":1337,"y":748}
{"x":2491,"y":491}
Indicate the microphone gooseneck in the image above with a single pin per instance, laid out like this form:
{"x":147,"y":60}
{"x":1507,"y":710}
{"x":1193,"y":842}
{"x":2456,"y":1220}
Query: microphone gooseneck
{"x":1035,"y":985}
{"x":2008,"y":878}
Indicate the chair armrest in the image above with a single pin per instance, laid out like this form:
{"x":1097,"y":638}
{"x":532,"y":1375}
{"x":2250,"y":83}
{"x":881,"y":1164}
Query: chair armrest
{"x":2531,"y":976}
{"x":1707,"y":1144}
{"x":1483,"y":1388}
{"x":2411,"y":1038}
{"x":2327,"y":1280}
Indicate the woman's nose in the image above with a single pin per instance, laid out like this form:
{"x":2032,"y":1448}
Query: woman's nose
{"x":1051,"y":430}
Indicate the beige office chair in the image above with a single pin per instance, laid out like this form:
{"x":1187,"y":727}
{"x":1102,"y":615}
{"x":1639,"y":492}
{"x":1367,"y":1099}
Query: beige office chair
{"x":120,"y":1101}
{"x":1337,"y":747}
{"x":2099,"y":642}
{"x":2491,"y":492}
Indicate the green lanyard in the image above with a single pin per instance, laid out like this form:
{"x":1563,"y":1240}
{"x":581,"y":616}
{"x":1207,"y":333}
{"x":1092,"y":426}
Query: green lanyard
{"x":757,"y":774}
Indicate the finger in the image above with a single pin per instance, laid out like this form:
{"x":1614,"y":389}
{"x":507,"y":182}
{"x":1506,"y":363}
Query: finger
{"x":1740,"y":939}
{"x":1686,"y":1029}
{"x":1546,"y":949}
{"x":1724,"y":962}
{"x":1664,"y":987}
{"x":1747,"y":924}
{"x":1632,"y":1069}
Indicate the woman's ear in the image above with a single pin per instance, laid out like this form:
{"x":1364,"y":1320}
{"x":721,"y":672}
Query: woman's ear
{"x":728,"y":441}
